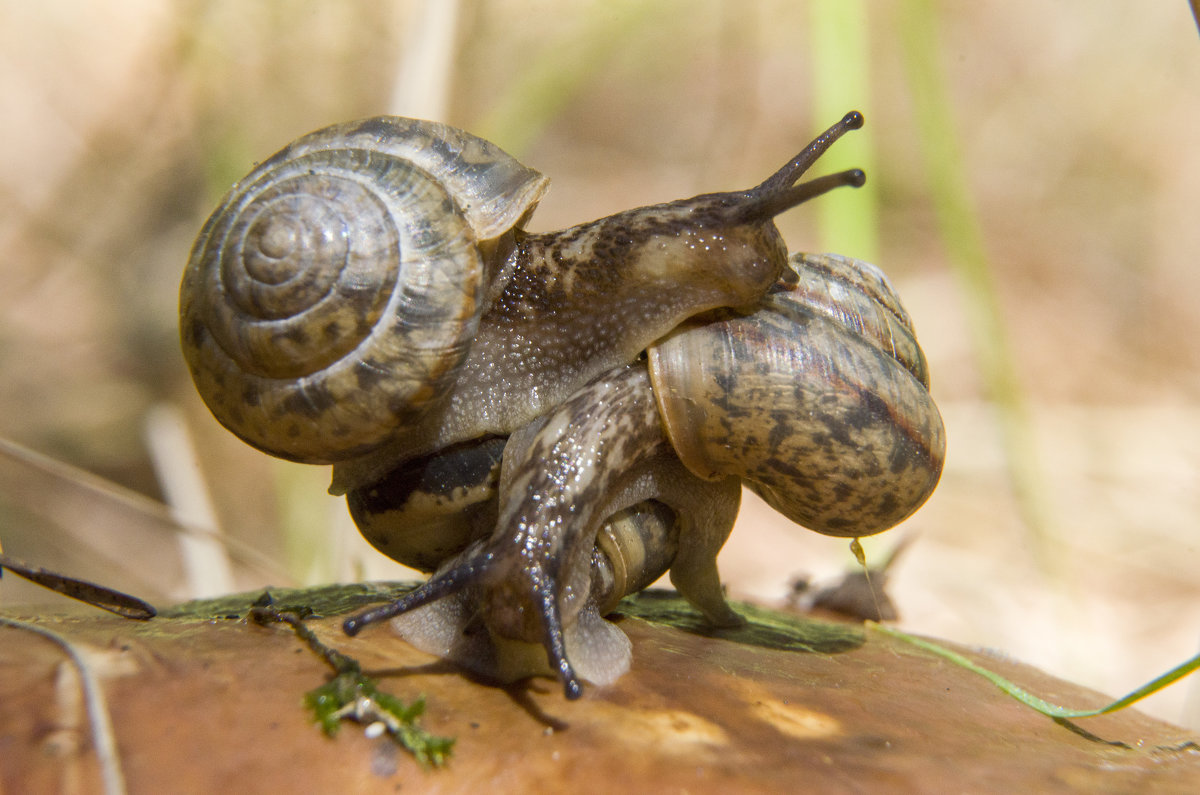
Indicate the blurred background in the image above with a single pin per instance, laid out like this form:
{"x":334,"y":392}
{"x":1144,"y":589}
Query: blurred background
{"x":1033,"y":191}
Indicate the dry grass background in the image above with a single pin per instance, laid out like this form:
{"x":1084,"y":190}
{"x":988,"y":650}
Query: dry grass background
{"x":121,"y":124}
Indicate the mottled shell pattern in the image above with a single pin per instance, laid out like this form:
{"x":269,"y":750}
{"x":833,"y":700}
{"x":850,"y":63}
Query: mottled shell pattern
{"x":329,"y":299}
{"x":819,"y":400}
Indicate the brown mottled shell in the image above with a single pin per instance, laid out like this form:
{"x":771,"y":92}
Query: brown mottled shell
{"x":329,"y":299}
{"x":819,"y":400}
{"x":860,"y":298}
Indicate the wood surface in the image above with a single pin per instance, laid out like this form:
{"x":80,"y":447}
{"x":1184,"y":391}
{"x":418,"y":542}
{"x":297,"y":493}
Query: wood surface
{"x":202,"y":700}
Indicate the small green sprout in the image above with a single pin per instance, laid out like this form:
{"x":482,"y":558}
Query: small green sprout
{"x":352,"y":695}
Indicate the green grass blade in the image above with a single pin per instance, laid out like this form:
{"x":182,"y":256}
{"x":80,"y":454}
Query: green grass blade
{"x":962,"y":236}
{"x":840,"y":42}
{"x":1030,"y":700}
{"x":556,"y":75}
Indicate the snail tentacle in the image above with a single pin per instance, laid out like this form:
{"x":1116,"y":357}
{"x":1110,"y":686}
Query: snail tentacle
{"x":794,"y":168}
{"x":772,"y":203}
{"x":444,"y":585}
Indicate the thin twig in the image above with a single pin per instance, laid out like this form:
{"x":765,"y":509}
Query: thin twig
{"x":99,"y":721}
{"x":91,"y":593}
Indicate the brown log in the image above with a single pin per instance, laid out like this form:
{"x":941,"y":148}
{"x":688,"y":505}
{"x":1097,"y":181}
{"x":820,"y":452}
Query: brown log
{"x":202,"y":700}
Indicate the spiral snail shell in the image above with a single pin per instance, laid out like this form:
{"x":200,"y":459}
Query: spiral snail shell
{"x":330,"y":298}
{"x":550,"y":421}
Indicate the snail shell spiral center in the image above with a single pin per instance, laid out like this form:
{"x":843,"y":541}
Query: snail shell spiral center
{"x":294,"y":247}
{"x":329,"y":300}
{"x":273,"y":241}
{"x":308,"y":266}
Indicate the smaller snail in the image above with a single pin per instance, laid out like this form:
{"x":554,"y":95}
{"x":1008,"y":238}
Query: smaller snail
{"x":818,"y":400}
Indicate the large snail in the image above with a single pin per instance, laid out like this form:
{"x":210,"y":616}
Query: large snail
{"x":550,"y":420}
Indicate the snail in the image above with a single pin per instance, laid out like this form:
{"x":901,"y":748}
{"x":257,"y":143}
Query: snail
{"x":369,"y":298}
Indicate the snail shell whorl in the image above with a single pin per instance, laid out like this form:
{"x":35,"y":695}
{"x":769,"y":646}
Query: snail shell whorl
{"x":329,"y":299}
{"x":829,"y":425}
{"x":859,"y":297}
{"x":634,"y":547}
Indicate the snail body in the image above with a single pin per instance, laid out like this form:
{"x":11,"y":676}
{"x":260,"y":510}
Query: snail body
{"x":368,"y":295}
{"x":529,"y":597}
{"x":549,"y":422}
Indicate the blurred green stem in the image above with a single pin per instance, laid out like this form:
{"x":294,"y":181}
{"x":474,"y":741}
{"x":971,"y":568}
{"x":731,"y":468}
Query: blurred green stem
{"x":963,"y":238}
{"x":840,"y":42}
{"x":557,"y":73}
{"x":304,"y":515}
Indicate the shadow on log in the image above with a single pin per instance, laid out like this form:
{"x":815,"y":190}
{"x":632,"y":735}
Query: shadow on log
{"x":202,"y":700}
